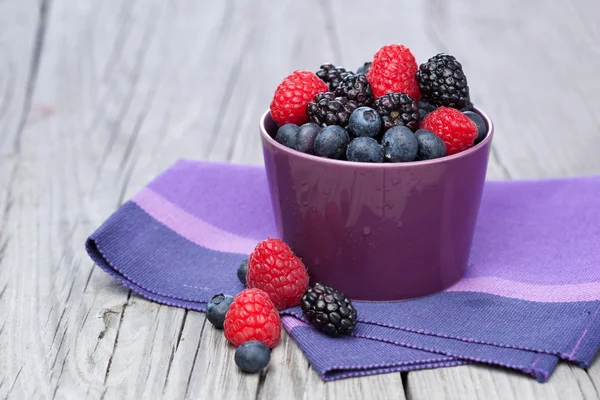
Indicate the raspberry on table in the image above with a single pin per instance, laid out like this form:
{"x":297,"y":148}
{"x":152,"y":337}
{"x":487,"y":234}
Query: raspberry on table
{"x":456,"y":129}
{"x":394,"y":70}
{"x":276,"y":270}
{"x":252,"y":316}
{"x":293,"y":94}
{"x":329,"y":310}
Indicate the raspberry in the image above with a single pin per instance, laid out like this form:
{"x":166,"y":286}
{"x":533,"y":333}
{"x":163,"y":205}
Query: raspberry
{"x":274,"y":268}
{"x":456,"y":129}
{"x":252,"y":316}
{"x":293,"y":94}
{"x":394,"y":70}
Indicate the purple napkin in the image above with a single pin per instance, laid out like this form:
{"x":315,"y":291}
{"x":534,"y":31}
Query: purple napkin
{"x":530,"y":297}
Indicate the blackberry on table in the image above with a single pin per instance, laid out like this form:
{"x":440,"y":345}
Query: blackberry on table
{"x":332,"y":75}
{"x":442,"y":82}
{"x":397,"y":109}
{"x":327,"y":109}
{"x":328,"y":310}
{"x":356,"y":88}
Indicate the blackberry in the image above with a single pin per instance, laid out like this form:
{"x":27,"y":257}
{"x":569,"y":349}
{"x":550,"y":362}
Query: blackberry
{"x":332,"y":75}
{"x":364,"y":69}
{"x":442,"y":82}
{"x":397,"y":109}
{"x":329,"y":310}
{"x":326,"y":109}
{"x":356,"y":88}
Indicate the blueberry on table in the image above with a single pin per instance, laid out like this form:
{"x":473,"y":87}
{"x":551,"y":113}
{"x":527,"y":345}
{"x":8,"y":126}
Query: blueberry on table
{"x":399,"y":144}
{"x":481,"y":129}
{"x":252,"y":356}
{"x":217,"y":308}
{"x":286,"y":135}
{"x":332,"y":142}
{"x":305,"y":139}
{"x":430,"y":145}
{"x":364,"y":149}
{"x":364,"y":121}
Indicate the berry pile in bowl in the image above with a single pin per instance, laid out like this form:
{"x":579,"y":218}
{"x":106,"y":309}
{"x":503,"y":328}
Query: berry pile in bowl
{"x":391,"y":110}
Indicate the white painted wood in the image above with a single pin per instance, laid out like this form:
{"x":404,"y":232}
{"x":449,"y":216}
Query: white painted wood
{"x":105,"y":95}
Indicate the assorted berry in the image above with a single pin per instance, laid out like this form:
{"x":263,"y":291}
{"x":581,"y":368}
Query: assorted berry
{"x":394,"y":70}
{"x":252,"y":356}
{"x":332,"y":75}
{"x":332,"y":142}
{"x":390,"y":91}
{"x":328,"y":310}
{"x":277,"y":271}
{"x":452,"y":126}
{"x":216,"y":309}
{"x":399,"y":144}
{"x":293,"y":94}
{"x":480,"y":125}
{"x":305,"y":141}
{"x":442,"y":82}
{"x":252,"y":316}
{"x":398,"y":109}
{"x":357,"y":89}
{"x":327,"y":109}
{"x":364,"y":149}
{"x":364,"y":121}
{"x":430,"y":145}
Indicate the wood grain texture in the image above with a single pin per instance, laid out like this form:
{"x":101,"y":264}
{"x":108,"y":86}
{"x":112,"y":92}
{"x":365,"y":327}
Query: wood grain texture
{"x":96,"y":98}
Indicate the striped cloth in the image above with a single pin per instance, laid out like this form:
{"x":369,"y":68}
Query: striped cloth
{"x":530,"y":297}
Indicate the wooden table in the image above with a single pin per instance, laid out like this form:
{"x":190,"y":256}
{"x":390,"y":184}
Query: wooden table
{"x":97,"y":97}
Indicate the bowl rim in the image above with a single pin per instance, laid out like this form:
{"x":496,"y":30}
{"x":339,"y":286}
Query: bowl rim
{"x":446,"y":159}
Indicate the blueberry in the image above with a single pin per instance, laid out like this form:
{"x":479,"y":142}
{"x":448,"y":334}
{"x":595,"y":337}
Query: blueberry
{"x":426,"y":107}
{"x":399,"y":144}
{"x":331,"y":142}
{"x":217,"y":308}
{"x":305,"y":139}
{"x":481,"y":129}
{"x":364,"y":149}
{"x":364,"y":121}
{"x":430,"y":145}
{"x":422,"y":113}
{"x":286,"y":135}
{"x":243,"y":271}
{"x":252,"y":356}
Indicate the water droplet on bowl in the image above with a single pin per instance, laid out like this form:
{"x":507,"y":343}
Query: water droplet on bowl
{"x":366,"y":231}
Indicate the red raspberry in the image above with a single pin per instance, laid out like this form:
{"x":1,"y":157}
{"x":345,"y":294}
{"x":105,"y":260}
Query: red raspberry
{"x":274,"y":268}
{"x":252,"y":316}
{"x":293,"y":94}
{"x":394,"y":69}
{"x":452,"y":126}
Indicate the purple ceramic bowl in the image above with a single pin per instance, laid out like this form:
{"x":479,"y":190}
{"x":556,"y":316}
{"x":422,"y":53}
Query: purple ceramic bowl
{"x":377,"y":231}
